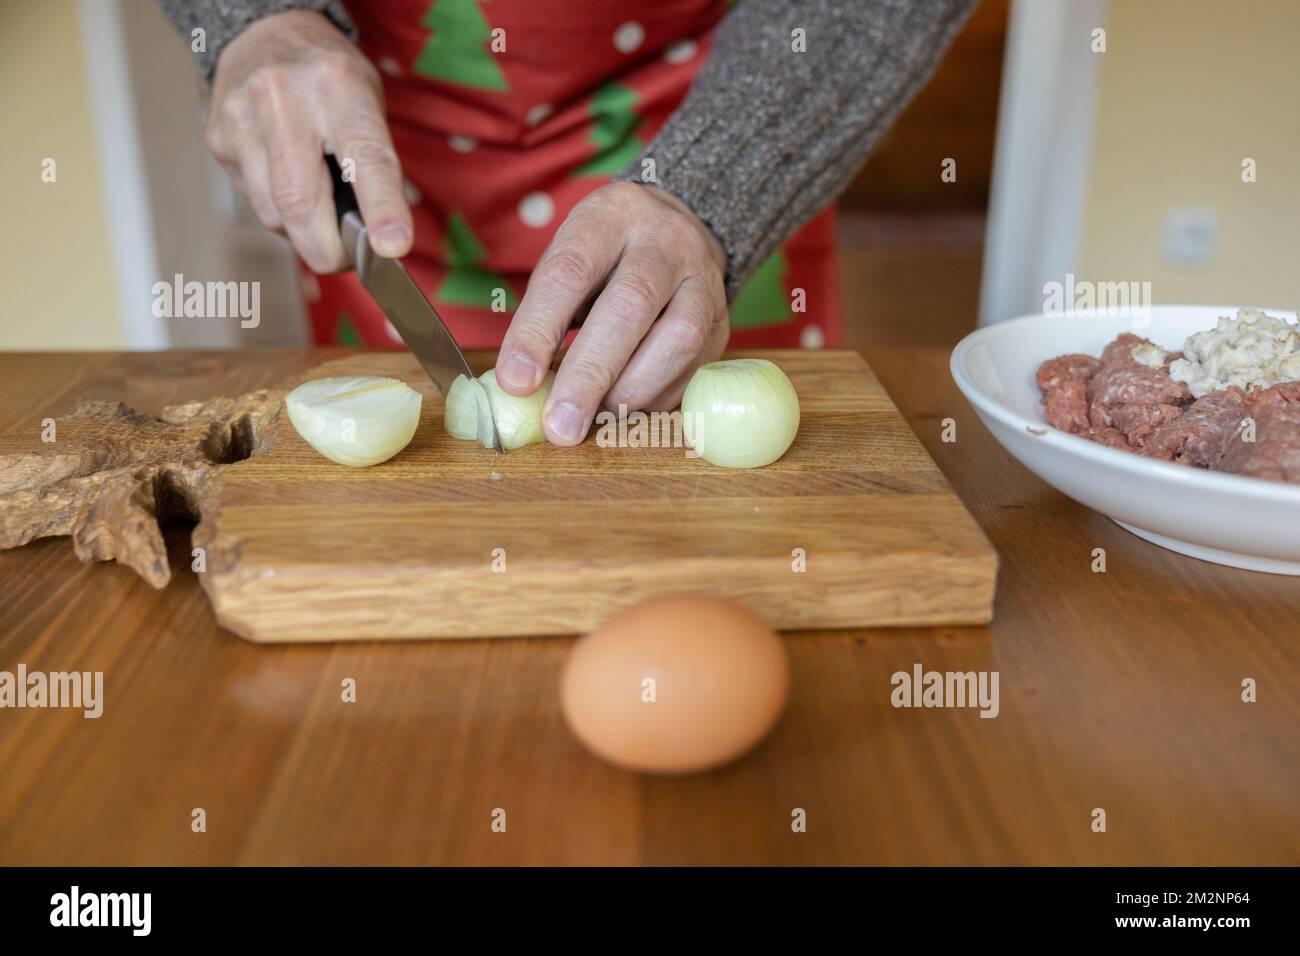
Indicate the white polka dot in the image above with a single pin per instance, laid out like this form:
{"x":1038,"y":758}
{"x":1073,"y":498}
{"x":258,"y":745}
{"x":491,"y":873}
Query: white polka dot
{"x":812,"y":337}
{"x":538,"y":114}
{"x":536,"y":210}
{"x":682,"y":51}
{"x":461,"y":143}
{"x":389,"y":66}
{"x":629,"y":36}
{"x":310,"y":287}
{"x":411,"y":192}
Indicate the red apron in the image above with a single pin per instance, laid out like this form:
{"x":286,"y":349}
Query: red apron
{"x":497,"y":147}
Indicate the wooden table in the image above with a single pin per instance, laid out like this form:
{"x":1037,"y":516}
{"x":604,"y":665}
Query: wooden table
{"x":1119,"y":690}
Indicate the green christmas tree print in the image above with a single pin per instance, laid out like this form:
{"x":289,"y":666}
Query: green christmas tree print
{"x":457,"y":50}
{"x":466,"y":283}
{"x":763,"y":299}
{"x":345,"y":333}
{"x":613,"y":133}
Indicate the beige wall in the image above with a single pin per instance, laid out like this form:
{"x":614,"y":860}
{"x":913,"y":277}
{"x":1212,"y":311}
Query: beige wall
{"x":55,"y":264}
{"x":1188,"y":89}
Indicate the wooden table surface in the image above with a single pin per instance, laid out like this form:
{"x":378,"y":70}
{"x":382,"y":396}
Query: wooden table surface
{"x":1119,"y":690}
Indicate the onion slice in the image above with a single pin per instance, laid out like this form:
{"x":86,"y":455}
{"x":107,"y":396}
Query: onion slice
{"x":356,"y":421}
{"x":467,"y":414}
{"x":473,"y":405}
{"x":740,"y":413}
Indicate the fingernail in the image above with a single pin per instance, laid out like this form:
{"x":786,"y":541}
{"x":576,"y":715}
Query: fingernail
{"x":516,"y":370}
{"x":390,"y":238}
{"x":567,"y":422}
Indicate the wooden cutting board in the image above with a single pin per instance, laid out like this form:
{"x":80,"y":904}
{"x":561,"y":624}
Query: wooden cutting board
{"x":448,"y":539}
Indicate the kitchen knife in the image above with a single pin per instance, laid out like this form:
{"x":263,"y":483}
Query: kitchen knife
{"x":396,"y":293}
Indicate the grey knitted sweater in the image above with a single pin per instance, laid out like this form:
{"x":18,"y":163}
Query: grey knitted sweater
{"x":776,"y":122}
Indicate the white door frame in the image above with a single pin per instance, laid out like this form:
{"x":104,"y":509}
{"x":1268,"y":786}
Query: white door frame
{"x":122,"y":173}
{"x":1042,"y":163}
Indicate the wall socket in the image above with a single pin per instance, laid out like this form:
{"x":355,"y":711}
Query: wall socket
{"x":1191,"y":236}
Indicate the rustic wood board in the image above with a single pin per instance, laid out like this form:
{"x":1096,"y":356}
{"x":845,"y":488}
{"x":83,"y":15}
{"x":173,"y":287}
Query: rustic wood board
{"x":299,"y":548}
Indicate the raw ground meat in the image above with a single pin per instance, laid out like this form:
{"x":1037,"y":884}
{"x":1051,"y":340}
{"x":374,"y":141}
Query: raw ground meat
{"x":1132,"y":398}
{"x":1123,"y":380}
{"x":1287,"y":391}
{"x":1064,"y":383}
{"x":1066,"y":406}
{"x":1110,"y":437}
{"x":1201,"y":435}
{"x":1067,"y":368}
{"x":1136,"y":420}
{"x":1275,"y":452}
{"x":1119,"y":402}
{"x":1115,"y":400}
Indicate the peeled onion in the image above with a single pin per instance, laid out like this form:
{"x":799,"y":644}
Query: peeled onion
{"x":518,"y":420}
{"x":740,"y":413}
{"x":357,"y":420}
{"x":466,"y":414}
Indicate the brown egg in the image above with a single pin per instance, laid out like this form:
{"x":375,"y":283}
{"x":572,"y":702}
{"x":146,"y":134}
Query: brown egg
{"x":675,"y":684}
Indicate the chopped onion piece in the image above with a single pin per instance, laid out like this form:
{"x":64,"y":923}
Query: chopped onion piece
{"x":473,"y":405}
{"x":740,"y":413}
{"x":356,"y":421}
{"x":467,"y":415}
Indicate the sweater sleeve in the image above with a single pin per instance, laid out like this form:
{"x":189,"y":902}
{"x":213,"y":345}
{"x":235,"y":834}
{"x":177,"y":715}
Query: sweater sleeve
{"x":769,"y":135}
{"x":223,"y":20}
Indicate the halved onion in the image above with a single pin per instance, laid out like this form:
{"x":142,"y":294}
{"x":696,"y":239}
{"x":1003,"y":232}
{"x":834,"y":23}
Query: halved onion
{"x":466,"y":414}
{"x":518,"y":420}
{"x":356,"y":421}
{"x":740,"y":413}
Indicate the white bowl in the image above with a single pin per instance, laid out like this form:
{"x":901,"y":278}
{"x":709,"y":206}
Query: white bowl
{"x":1228,"y":519}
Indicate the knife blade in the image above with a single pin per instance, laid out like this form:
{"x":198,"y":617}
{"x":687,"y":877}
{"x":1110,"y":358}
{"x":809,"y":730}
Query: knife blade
{"x":393,"y":289}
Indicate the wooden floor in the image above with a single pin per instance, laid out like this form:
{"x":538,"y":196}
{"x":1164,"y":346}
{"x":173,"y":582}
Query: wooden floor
{"x":1118,"y":691}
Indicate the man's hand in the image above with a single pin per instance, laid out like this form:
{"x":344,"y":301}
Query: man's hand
{"x":288,"y":89}
{"x":651,"y":275}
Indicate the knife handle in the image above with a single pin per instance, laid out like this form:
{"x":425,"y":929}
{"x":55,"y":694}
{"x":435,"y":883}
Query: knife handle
{"x":345,"y":200}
